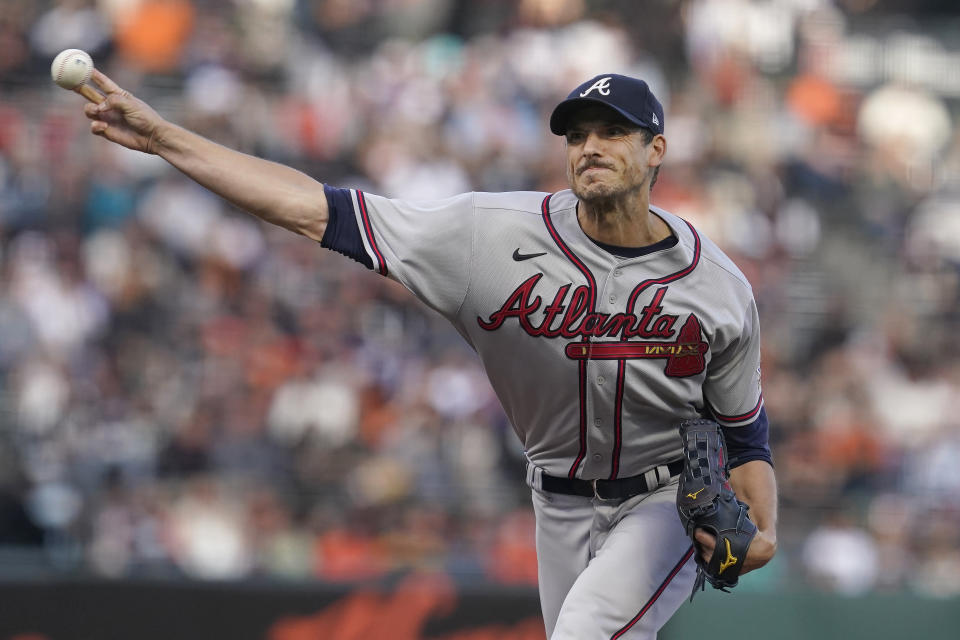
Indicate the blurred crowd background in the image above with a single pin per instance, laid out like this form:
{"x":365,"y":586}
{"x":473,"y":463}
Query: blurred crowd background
{"x":187,"y":392}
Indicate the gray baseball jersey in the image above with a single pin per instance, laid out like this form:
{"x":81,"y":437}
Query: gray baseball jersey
{"x":594,"y":357}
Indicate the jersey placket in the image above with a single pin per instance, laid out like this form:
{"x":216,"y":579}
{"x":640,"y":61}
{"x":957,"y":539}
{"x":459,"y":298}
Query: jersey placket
{"x":605,"y":379}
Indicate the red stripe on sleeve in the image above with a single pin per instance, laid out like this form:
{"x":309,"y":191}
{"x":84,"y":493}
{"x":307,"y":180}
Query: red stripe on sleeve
{"x":368,"y":233}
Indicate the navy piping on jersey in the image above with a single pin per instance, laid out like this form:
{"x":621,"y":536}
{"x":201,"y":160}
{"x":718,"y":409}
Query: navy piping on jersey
{"x":749,"y":442}
{"x":592,"y":287}
{"x":656,"y":594}
{"x":621,"y":369}
{"x":342,"y":233}
{"x":368,"y":231}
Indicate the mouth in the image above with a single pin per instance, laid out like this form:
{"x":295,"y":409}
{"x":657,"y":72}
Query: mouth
{"x":592,"y":168}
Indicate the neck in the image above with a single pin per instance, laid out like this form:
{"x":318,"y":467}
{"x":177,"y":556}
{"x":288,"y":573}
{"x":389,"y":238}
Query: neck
{"x":622,"y":221}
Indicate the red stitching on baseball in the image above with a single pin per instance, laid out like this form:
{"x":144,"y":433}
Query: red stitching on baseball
{"x":62,"y":63}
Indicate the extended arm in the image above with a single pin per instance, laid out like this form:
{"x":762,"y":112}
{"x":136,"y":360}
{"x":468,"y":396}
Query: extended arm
{"x":273,"y":192}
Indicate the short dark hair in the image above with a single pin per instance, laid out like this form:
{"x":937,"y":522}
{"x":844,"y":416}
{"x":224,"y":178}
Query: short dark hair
{"x":648,"y":136}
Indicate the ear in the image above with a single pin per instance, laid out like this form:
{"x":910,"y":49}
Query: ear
{"x":659,"y":146}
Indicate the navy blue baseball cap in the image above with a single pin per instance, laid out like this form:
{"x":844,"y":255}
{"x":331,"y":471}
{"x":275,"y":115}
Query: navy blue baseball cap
{"x":630,"y":97}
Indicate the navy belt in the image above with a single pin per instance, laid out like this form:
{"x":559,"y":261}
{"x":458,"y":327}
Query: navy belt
{"x":618,"y":489}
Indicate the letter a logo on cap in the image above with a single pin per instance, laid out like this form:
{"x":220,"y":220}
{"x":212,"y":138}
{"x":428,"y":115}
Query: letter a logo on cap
{"x":602,"y":86}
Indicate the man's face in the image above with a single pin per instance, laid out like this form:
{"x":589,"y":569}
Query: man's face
{"x":606,"y":155}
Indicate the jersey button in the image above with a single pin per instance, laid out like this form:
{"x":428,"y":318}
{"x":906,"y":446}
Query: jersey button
{"x":597,"y":422}
{"x":617,"y":273}
{"x":597,"y":457}
{"x":601,"y":379}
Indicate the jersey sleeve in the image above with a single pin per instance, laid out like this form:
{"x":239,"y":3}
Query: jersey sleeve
{"x":732,"y":388}
{"x":427,"y":247}
{"x":749,"y":442}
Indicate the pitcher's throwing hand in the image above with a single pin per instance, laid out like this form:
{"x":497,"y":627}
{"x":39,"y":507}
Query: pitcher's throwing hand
{"x":123,"y":118}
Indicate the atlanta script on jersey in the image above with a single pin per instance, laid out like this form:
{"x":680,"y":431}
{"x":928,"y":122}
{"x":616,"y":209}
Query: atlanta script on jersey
{"x":619,"y":344}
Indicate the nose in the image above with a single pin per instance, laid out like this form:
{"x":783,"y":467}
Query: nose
{"x":592,"y":144}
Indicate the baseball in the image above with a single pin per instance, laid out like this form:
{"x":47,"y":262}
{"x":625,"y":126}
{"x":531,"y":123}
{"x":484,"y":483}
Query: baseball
{"x":71,"y":68}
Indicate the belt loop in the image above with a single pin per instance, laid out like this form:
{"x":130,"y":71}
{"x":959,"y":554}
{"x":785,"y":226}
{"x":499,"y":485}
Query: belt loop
{"x":534,"y":476}
{"x":651,"y":477}
{"x":663,"y":475}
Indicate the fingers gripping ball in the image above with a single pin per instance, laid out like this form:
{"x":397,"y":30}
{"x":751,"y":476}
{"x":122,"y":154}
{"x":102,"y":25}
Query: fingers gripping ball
{"x":705,"y":500}
{"x":71,"y":68}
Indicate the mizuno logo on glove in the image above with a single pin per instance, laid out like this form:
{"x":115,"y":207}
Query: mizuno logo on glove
{"x":730,"y":561}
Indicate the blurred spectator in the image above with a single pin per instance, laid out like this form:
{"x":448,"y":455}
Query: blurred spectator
{"x":891,"y":520}
{"x":16,"y":526}
{"x":70,"y":24}
{"x":209,"y":536}
{"x":151,"y":34}
{"x":188,"y":452}
{"x":841,"y":557}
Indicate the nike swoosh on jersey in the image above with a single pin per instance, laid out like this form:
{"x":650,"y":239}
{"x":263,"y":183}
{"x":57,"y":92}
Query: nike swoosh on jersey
{"x":520,"y":257}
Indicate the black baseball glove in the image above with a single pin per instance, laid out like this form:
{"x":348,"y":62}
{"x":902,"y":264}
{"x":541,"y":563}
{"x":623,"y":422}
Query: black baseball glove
{"x":706,"y":501}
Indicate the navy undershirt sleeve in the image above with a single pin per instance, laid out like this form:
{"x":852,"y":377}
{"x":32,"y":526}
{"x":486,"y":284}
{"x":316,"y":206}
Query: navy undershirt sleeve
{"x":343,"y":233}
{"x":749,"y":442}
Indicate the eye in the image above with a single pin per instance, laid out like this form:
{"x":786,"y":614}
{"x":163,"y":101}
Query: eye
{"x":575,"y":137}
{"x":616,"y":131}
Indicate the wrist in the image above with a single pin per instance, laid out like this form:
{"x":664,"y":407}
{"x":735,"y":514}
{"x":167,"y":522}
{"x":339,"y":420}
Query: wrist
{"x":770,"y":540}
{"x":162,"y":140}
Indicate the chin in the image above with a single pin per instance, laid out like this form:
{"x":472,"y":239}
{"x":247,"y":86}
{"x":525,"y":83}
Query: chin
{"x":596,"y":192}
{"x":601,"y":193}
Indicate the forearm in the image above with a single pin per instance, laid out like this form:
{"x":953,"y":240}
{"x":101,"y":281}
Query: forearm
{"x":273,"y":192}
{"x":755,"y":484}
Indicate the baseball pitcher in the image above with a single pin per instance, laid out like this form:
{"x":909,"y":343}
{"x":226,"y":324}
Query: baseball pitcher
{"x":622,"y":343}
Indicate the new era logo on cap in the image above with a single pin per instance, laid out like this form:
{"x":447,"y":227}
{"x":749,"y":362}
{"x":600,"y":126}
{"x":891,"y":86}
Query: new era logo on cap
{"x":630,"y":97}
